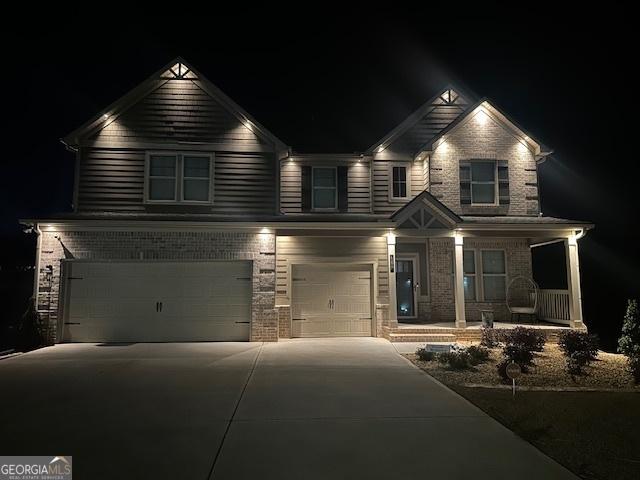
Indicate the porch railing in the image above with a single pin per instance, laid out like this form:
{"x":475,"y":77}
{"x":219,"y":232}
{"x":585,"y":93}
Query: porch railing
{"x":553,"y":305}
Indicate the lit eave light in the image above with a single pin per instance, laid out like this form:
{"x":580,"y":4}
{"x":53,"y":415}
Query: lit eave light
{"x":380,"y":149}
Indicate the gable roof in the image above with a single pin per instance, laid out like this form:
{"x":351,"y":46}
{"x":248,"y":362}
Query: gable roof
{"x":176,"y":69}
{"x":486,"y":107}
{"x":450,"y":97}
{"x":440,"y":213}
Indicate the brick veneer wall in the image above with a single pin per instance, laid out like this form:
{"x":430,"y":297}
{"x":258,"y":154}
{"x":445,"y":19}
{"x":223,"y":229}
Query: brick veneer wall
{"x":101,"y":245}
{"x":490,"y":140}
{"x":518,"y":258}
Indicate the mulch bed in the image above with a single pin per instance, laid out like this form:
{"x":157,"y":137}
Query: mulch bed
{"x":608,"y":372}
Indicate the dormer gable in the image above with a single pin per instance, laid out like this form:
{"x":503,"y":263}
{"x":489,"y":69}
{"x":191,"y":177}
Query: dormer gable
{"x":423,"y":124}
{"x":176,"y":104}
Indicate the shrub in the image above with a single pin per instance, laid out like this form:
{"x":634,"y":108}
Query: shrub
{"x":29,"y":334}
{"x":456,"y":359}
{"x":520,"y":345}
{"x":425,"y":355}
{"x":629,"y":342}
{"x":490,"y":338}
{"x":477,"y":354}
{"x":580,"y":348}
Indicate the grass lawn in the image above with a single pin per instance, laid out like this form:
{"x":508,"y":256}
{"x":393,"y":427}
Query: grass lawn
{"x":594,"y":434}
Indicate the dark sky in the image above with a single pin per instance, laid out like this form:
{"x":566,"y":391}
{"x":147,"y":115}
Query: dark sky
{"x":338,"y":80}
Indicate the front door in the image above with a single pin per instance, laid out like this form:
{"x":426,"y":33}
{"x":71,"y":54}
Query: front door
{"x":405,"y":288}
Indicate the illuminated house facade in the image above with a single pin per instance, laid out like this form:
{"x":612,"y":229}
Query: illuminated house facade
{"x":193,"y":222}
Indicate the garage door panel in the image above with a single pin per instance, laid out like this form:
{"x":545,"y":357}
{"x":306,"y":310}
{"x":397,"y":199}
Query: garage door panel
{"x":349,"y":290}
{"x":117,"y":301}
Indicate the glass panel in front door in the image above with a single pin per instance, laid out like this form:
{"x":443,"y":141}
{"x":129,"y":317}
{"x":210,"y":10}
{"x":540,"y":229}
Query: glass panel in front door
{"x":405,"y":288}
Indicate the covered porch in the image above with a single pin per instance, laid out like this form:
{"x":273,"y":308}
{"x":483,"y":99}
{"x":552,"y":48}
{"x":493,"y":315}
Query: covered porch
{"x":450,"y":271}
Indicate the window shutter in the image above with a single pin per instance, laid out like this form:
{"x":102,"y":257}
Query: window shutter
{"x":503,"y":182}
{"x":465,"y":182}
{"x":306,"y":189}
{"x":343,"y":188}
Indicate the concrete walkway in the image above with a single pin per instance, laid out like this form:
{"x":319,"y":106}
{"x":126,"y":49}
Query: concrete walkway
{"x":299,"y":409}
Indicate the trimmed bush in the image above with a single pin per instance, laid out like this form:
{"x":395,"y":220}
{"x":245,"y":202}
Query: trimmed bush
{"x":456,"y":359}
{"x":425,"y":355}
{"x":629,"y":342}
{"x":520,"y":344}
{"x":579,"y":348}
{"x":490,"y":338}
{"x":477,"y":354}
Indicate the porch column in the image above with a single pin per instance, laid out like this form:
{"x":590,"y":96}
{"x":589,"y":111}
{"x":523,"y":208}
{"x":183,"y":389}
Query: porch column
{"x":573,"y":281}
{"x":458,"y":286}
{"x":391,"y":258}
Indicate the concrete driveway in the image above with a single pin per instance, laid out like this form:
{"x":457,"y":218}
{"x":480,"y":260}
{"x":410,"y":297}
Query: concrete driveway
{"x":335,"y":408}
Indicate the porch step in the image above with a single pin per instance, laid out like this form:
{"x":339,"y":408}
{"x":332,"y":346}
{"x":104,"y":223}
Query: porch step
{"x":421,"y":337}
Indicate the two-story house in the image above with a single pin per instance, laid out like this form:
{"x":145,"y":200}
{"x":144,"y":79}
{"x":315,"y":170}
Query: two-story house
{"x":192,"y":222}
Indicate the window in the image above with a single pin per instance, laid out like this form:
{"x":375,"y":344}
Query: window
{"x":469,"y":263}
{"x":494,"y":275}
{"x":196,"y":178}
{"x":162,"y":177}
{"x":179,"y":178}
{"x":483,"y":183}
{"x":325,"y":189}
{"x":399,"y":182}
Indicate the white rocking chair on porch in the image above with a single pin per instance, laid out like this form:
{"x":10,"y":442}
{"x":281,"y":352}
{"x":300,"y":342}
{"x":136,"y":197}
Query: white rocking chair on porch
{"x":522,"y":297}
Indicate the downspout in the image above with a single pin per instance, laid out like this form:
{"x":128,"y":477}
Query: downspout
{"x":36,"y":275}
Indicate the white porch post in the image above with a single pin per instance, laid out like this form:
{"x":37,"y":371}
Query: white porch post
{"x":391,"y":259}
{"x":573,"y":282}
{"x":458,"y":287}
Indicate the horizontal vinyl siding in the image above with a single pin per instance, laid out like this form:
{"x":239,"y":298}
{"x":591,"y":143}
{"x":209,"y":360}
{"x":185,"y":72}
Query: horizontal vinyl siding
{"x":315,"y":249}
{"x":381,"y":183}
{"x":177,"y":111}
{"x":290,"y":187}
{"x":112,"y":180}
{"x":359,"y":186}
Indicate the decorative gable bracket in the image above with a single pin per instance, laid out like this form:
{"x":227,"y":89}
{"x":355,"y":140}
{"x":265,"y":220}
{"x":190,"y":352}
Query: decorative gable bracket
{"x":425,"y":212}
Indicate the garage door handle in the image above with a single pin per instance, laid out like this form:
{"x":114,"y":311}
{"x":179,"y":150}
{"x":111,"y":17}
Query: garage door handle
{"x":242,"y":322}
{"x":296,"y":319}
{"x":161,"y":306}
{"x":243,"y":278}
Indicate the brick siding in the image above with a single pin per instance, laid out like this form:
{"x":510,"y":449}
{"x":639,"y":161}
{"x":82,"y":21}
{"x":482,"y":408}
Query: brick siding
{"x":188,"y":246}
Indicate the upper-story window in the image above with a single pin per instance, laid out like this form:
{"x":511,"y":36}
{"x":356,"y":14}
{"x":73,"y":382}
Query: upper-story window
{"x":325,"y":188}
{"x":399,"y":181}
{"x":179,"y":178}
{"x":483,"y":182}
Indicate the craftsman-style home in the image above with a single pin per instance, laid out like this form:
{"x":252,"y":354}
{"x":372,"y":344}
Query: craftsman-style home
{"x":193,"y":222}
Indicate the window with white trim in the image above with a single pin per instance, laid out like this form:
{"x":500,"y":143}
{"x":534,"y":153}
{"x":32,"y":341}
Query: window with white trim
{"x":325,"y":188}
{"x":494,"y":275}
{"x":484,"y":176}
{"x":399,"y":175}
{"x":469,"y":267}
{"x":179,"y":178}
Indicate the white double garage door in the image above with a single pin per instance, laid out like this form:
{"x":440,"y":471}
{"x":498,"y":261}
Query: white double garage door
{"x":157,"y":301}
{"x":204,"y":301}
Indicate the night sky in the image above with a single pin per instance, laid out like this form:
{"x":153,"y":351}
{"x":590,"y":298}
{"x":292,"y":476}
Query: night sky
{"x":339,"y":82}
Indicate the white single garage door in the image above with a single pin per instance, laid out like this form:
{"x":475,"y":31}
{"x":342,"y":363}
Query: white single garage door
{"x":331,"y":301}
{"x":157,"y":301}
